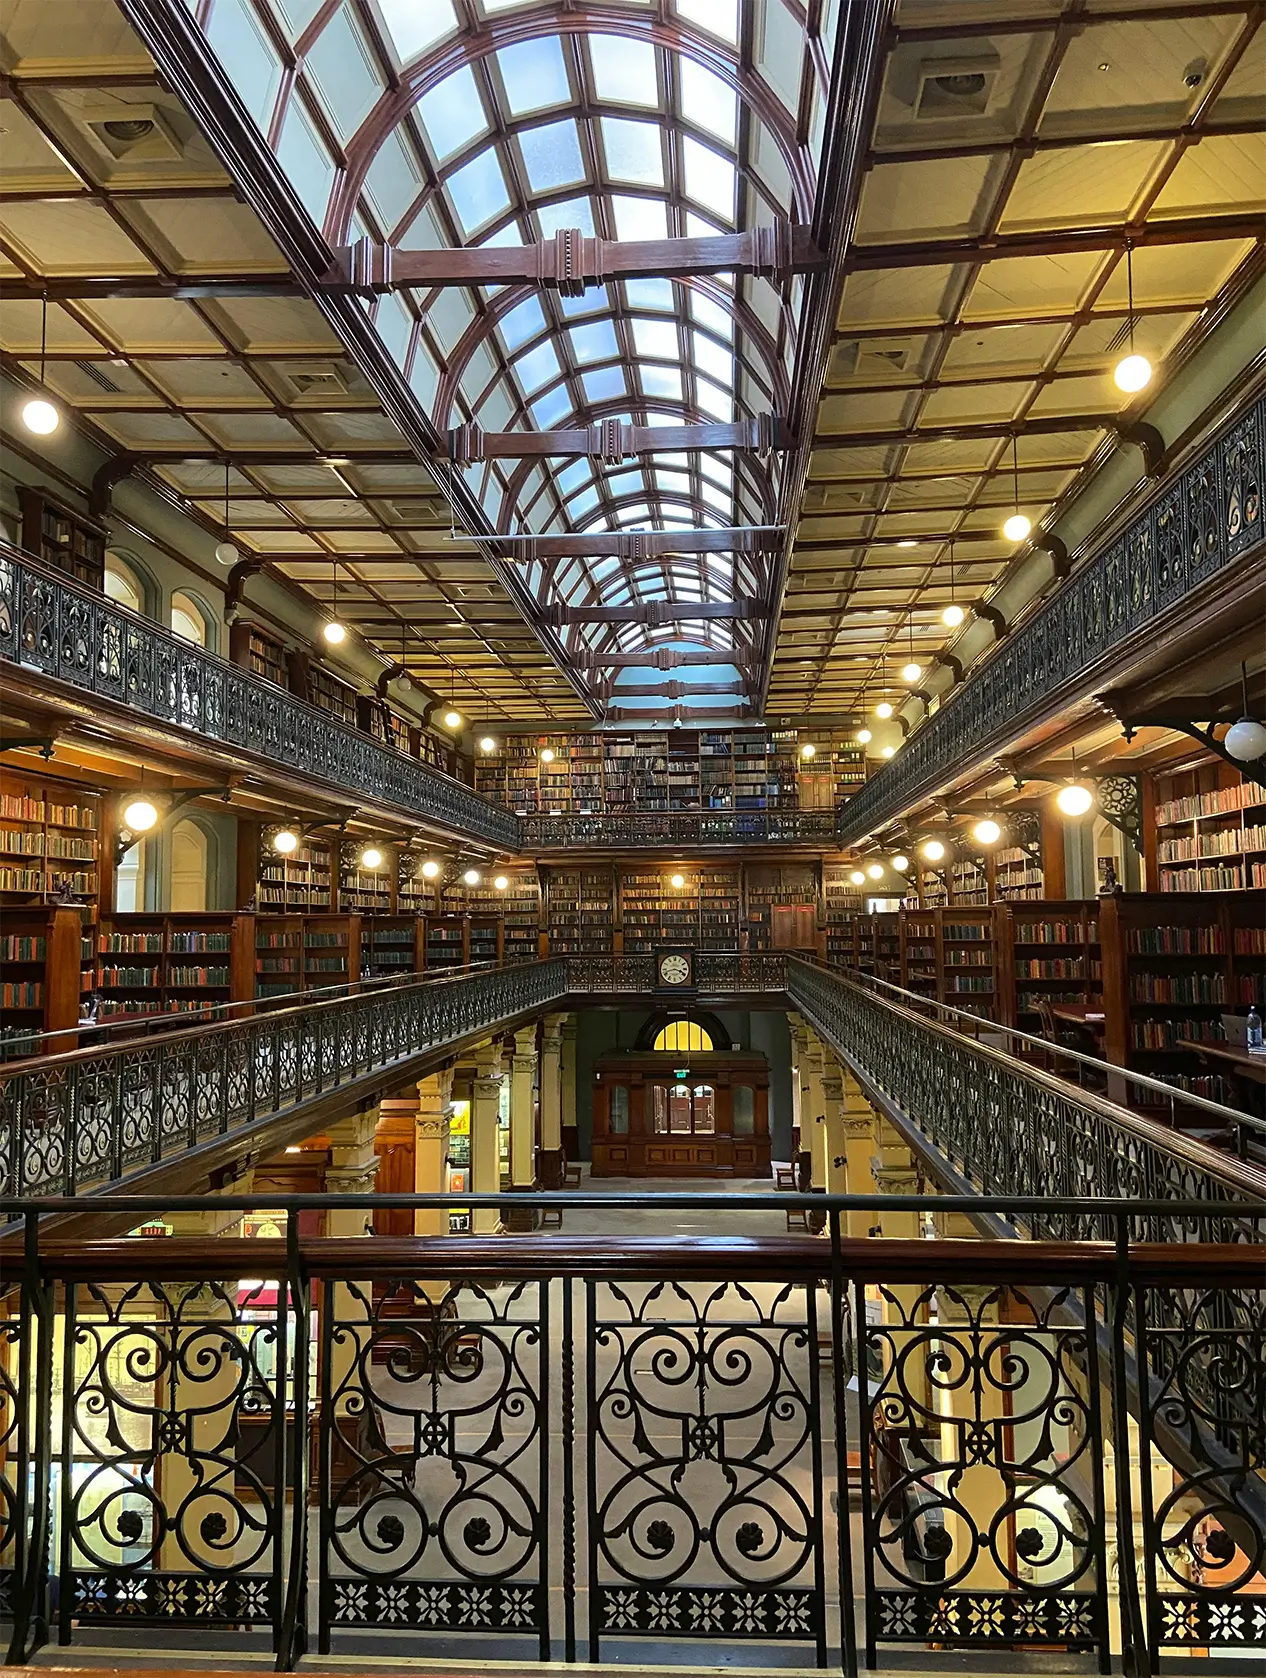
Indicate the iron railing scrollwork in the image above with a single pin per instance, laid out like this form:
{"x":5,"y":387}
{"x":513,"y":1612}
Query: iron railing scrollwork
{"x":68,"y":1122}
{"x":628,"y":830}
{"x":51,"y":624}
{"x":1203,"y":521}
{"x":1008,"y":1127}
{"x":717,"y":1479}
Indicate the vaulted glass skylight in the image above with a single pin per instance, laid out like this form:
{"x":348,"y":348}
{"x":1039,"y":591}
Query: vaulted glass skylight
{"x":534,"y":75}
{"x":623,"y":70}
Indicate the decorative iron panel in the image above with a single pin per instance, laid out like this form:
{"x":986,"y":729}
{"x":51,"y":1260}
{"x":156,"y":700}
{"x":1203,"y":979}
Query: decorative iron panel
{"x":982,"y":1472}
{"x":1208,"y":518}
{"x":52,"y":624}
{"x":434,"y":1481}
{"x":629,"y":830}
{"x":172,"y":1454}
{"x":69,"y":1124}
{"x":1008,"y":1129}
{"x":705,"y":1464}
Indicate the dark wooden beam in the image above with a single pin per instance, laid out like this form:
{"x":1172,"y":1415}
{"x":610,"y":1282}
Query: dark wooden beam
{"x":656,"y":612}
{"x":687,"y":715}
{"x":611,"y":441}
{"x":665,"y":690}
{"x":570,"y":263}
{"x":16,"y":287}
{"x":922,"y":253}
{"x":663,"y":658}
{"x":644,"y":544}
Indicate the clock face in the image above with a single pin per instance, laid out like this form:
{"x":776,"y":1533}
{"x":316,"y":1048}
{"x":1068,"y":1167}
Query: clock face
{"x":674,"y":970}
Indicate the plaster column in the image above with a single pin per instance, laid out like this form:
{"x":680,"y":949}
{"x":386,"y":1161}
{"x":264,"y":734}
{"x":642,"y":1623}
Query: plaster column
{"x":233,"y":1180}
{"x":430,"y":1149}
{"x":522,"y":1126}
{"x":834,"y":1159}
{"x":859,"y":1151}
{"x":352,"y":1169}
{"x":799,"y":1044}
{"x":896,"y":1173}
{"x":549,"y":1156}
{"x":485,"y":1135}
{"x":812,"y":1103}
{"x":567,"y":1077}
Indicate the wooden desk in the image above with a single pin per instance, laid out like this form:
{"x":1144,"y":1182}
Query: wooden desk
{"x":1080,"y":1013}
{"x":1241,"y":1062}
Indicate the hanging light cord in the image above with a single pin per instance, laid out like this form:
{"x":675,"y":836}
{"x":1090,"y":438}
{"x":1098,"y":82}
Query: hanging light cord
{"x":43,"y":340}
{"x":1129,"y":287}
{"x":1015,"y":468}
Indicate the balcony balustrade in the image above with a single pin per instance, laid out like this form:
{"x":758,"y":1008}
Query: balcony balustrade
{"x":589,"y":1445}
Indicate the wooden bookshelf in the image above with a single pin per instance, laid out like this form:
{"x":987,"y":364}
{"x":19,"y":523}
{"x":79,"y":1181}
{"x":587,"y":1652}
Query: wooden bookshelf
{"x":297,"y":884}
{"x":174,"y":963}
{"x":278,"y":951}
{"x":393,"y":944}
{"x":367,"y":891}
{"x":447,"y":942}
{"x":1054,"y":957}
{"x":518,"y":908}
{"x":781,"y":905}
{"x":47,"y":966}
{"x":580,"y":910}
{"x":331,"y":950}
{"x":955,"y":955}
{"x":49,"y":841}
{"x":62,"y":538}
{"x":254,"y":648}
{"x":1173,"y":964}
{"x":1018,"y":875}
{"x":328,"y":693}
{"x":1210,"y":831}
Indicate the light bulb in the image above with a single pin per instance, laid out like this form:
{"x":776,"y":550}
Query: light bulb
{"x":1017,"y":527}
{"x":884,"y":710}
{"x":430,"y":870}
{"x":371,"y":857}
{"x":286,"y":841}
{"x":404,"y":681}
{"x":857,"y":877}
{"x":40,"y":416}
{"x":1245,"y":740}
{"x":952,"y":616}
{"x":912,"y":672}
{"x":901,"y":863}
{"x":933,"y":850}
{"x":889,"y":751}
{"x":139,"y":815}
{"x":1075,"y":800}
{"x":547,"y":756}
{"x":227,"y":553}
{"x":487,"y":744}
{"x":808,"y":749}
{"x":909,"y":542}
{"x":471,"y":876}
{"x":452,"y":719}
{"x":677,"y":881}
{"x":334,"y":633}
{"x":501,"y":882}
{"x":863,"y":736}
{"x":1132,"y":372}
{"x":987,"y":832}
{"x":876,"y":870}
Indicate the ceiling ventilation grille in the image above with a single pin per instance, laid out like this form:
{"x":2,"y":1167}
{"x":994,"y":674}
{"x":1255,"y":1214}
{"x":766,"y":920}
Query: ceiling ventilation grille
{"x":139,"y":133}
{"x":955,"y":87}
{"x":314,"y":378}
{"x":863,"y":358}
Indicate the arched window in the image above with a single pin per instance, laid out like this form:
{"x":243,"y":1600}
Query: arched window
{"x":187,"y":619}
{"x":188,"y":867}
{"x":683,"y":1034}
{"x":123,"y":584}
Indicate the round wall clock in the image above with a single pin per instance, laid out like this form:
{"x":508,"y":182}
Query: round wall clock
{"x":674,"y":970}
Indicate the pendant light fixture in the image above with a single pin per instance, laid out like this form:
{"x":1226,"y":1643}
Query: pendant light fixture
{"x":335,"y":632}
{"x":1245,"y":740}
{"x":1133,"y":371}
{"x":226,"y":552}
{"x":953,"y":614}
{"x":452,"y":717}
{"x":1018,"y":525}
{"x":913,"y":670}
{"x":1075,"y":798}
{"x":39,"y":414}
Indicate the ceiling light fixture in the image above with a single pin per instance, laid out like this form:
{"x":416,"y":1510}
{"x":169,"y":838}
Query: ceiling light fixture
{"x":953,"y":614}
{"x":857,"y":878}
{"x":371,"y":857}
{"x":808,"y":749}
{"x":864,"y":737}
{"x":547,"y":755}
{"x":913,"y":669}
{"x":933,"y":850}
{"x":227,"y":552}
{"x":1018,"y":525}
{"x":334,"y":632}
{"x":1245,"y":740}
{"x":987,"y":832}
{"x":876,"y":870}
{"x":1133,"y":371}
{"x":1075,"y":799}
{"x":889,"y":751}
{"x":285,"y":841}
{"x":472,"y":876}
{"x":677,"y":881}
{"x":39,"y":414}
{"x":452,"y":719}
{"x":901,"y":863}
{"x":501,"y":882}
{"x":139,"y":815}
{"x":487,"y":745}
{"x":909,"y":542}
{"x":883,"y":710}
{"x":430,"y":870}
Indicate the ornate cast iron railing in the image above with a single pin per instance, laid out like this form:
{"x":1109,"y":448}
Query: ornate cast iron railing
{"x":91,"y":1117}
{"x":716,"y":972}
{"x":1195,"y":526}
{"x":1009,"y":1128}
{"x":627,"y":830}
{"x":50,"y":624}
{"x":183,"y":1422}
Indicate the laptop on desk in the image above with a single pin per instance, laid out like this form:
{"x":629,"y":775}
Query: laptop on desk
{"x":1235,"y":1029}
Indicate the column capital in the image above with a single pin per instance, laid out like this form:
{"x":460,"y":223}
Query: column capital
{"x":525,"y":1042}
{"x":857,"y":1125}
{"x":350,"y":1179}
{"x":487,"y":1089}
{"x":832,"y":1086}
{"x":896,"y":1179}
{"x":431,"y":1124}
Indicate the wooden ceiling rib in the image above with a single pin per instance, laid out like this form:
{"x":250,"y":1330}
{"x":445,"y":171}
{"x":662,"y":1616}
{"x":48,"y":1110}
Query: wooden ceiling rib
{"x":984,"y":303}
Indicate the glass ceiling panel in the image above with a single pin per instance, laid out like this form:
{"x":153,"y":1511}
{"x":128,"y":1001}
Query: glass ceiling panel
{"x":624,"y":138}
